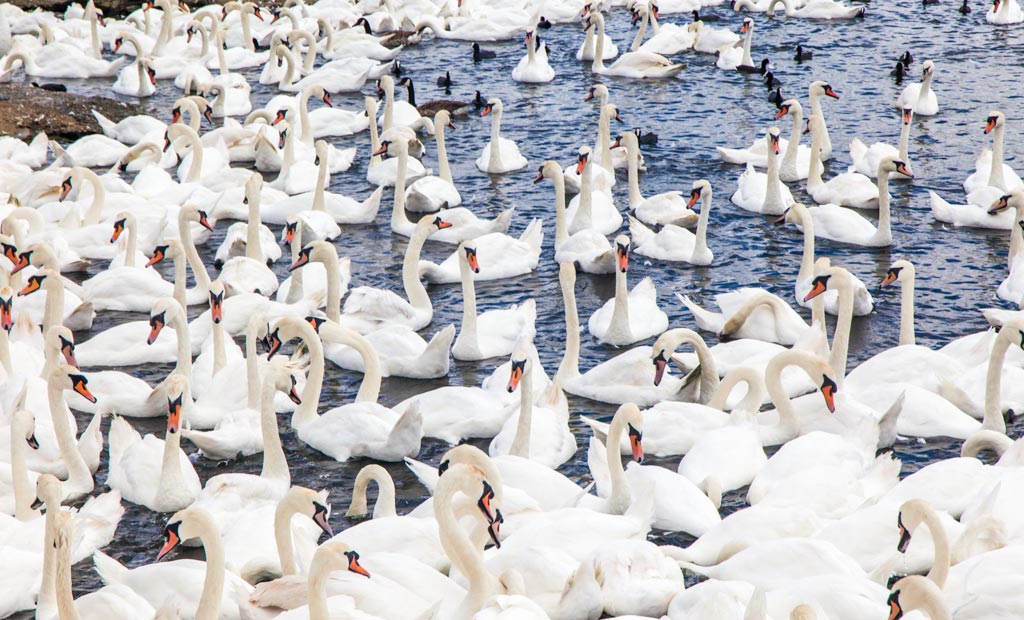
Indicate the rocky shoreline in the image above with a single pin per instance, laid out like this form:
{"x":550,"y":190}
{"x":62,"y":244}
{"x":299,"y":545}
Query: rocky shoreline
{"x":26,"y":110}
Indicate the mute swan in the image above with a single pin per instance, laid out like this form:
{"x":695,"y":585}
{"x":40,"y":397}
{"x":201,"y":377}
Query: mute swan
{"x":537,"y":432}
{"x":737,"y":54}
{"x":673,"y":242}
{"x":863,"y":302}
{"x":847,"y":226}
{"x":990,"y":171}
{"x":631,"y":64}
{"x":763,"y":192}
{"x":249,"y":273}
{"x":396,"y":113}
{"x":137,"y":79}
{"x":921,"y":97}
{"x":361,"y":428}
{"x":866,"y":159}
{"x":586,"y":50}
{"x":631,"y":316}
{"x":500,"y":155}
{"x":591,"y":208}
{"x":587,"y":247}
{"x":369,"y":307}
{"x":149,"y":471}
{"x":688,"y":510}
{"x":708,"y":40}
{"x":498,"y":255}
{"x":796,"y":161}
{"x":495,"y":332}
{"x":1004,"y":12}
{"x":667,"y":39}
{"x":850,"y":189}
{"x":65,"y":66}
{"x":430,"y":193}
{"x":667,"y":208}
{"x":818,"y":9}
{"x":532,"y":68}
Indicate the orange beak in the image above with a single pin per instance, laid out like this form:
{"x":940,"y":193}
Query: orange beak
{"x":818,"y":286}
{"x":171,"y":541}
{"x":174,"y":414}
{"x":990,"y":124}
{"x":484,"y":503}
{"x":217,"y":308}
{"x":79,"y":384}
{"x":158,"y":255}
{"x":909,"y":112}
{"x":659,"y":367}
{"x":354,"y":565}
{"x":327,"y":99}
{"x":518,"y":367}
{"x":67,"y":349}
{"x":775,"y":144}
{"x":474,"y":264}
{"x":828,"y":391}
{"x":831,"y":93}
{"x":156,"y":325}
{"x":65,"y":189}
{"x":205,"y":223}
{"x":441,"y":224}
{"x":999,"y":205}
{"x":581,"y":162}
{"x":694,"y":197}
{"x":744,"y":28}
{"x":302,"y":259}
{"x":622,"y":252}
{"x":380,"y":151}
{"x":784,"y":110}
{"x":890,"y":277}
{"x":32,"y":286}
{"x":289,"y":232}
{"x":486,"y":110}
{"x":636,"y":444}
{"x":21,"y":263}
{"x":118,"y":42}
{"x":118,"y":229}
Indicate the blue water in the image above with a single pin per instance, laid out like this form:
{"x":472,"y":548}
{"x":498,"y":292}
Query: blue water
{"x":958,"y":270}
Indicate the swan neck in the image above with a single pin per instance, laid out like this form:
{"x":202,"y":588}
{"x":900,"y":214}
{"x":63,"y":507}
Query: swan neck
{"x":620,"y":310}
{"x":907,"y":313}
{"x":62,"y":581}
{"x":639,"y":38}
{"x":701,"y":246}
{"x":253,"y":248}
{"x":443,"y":169}
{"x":633,"y":151}
{"x":333,"y":270}
{"x":993,"y":417}
{"x":179,"y":323}
{"x":789,"y":160}
{"x":307,"y":411}
{"x":773,"y":193}
{"x":99,"y":196}
{"x":199,"y":272}
{"x":23,"y":495}
{"x":747,"y":60}
{"x":133,"y":241}
{"x":414,"y":289}
{"x":213,"y":583}
{"x":521,"y":443}
{"x":940,"y":567}
{"x":620,"y":494}
{"x":252,"y":367}
{"x":369,"y":388}
{"x":807,"y":259}
{"x":469,"y":332}
{"x":275,"y":464}
{"x":905,"y":143}
{"x":398,"y":217}
{"x":180,"y":275}
{"x":884,"y":231}
{"x":570,"y":366}
{"x":841,"y":337}
{"x":319,"y":195}
{"x":494,"y":162}
{"x":307,"y":129}
{"x":814,"y":171}
{"x":79,"y":476}
{"x":283,"y":538}
{"x":561,"y":226}
{"x":598,"y":63}
{"x":219,"y":352}
{"x":53,"y":307}
{"x":996,"y":178}
{"x":777,"y":393}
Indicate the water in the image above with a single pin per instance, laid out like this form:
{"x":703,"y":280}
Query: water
{"x":957,"y":269}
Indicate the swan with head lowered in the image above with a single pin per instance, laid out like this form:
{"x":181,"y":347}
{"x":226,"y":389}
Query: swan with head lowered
{"x":674,"y":242}
{"x":430,"y":193}
{"x":639,"y":64}
{"x":631,"y":316}
{"x":586,"y":247}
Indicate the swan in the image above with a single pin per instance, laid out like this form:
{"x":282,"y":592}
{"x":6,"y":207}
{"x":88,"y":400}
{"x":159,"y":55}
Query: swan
{"x":921,"y":97}
{"x":1005,"y":12}
{"x":65,"y":66}
{"x":537,"y":432}
{"x":396,"y":113}
{"x":863,"y":302}
{"x":818,"y":9}
{"x":667,"y":39}
{"x":708,"y":40}
{"x":586,"y":247}
{"x":631,"y":316}
{"x":362,"y":428}
{"x":498,"y":255}
{"x":129,"y":288}
{"x":130,"y":130}
{"x":249,"y":273}
{"x":796,"y":161}
{"x":847,"y":226}
{"x":368,"y":307}
{"x":495,"y":332}
{"x":675,"y":243}
{"x":990,"y":171}
{"x":667,"y":208}
{"x":620,"y":488}
{"x":850,"y":189}
{"x":61,"y":306}
{"x":431,"y":193}
{"x":197,"y":589}
{"x":638,"y":64}
{"x":763,"y":192}
{"x":866,"y":159}
{"x":732,"y":55}
{"x":586,"y":50}
{"x":385,"y":172}
{"x":1011,"y":288}
{"x":532,"y":69}
{"x":137,"y":79}
{"x":500,"y":155}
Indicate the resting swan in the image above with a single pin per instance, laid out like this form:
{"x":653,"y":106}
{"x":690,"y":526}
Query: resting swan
{"x":866,"y":159}
{"x":673,"y":242}
{"x":533,"y":68}
{"x":850,"y":189}
{"x":763,"y":192}
{"x":586,"y":247}
{"x":631,"y":64}
{"x":921,"y":97}
{"x":500,"y":155}
{"x":631,"y":316}
{"x":819,"y":9}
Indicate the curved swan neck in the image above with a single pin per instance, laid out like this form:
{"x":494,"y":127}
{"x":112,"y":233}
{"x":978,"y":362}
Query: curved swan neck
{"x":213,"y":583}
{"x":178,"y":321}
{"x":777,"y":393}
{"x":814,"y":171}
{"x":99,"y":197}
{"x":133,"y":241}
{"x":79,"y":476}
{"x":369,"y":388}
{"x":319,"y":195}
{"x":993,"y":417}
{"x":905,"y":142}
{"x":701,"y":246}
{"x":598,"y":64}
{"x":23,"y":496}
{"x":414,"y":289}
{"x":275,"y":464}
{"x":443,"y":169}
{"x":199,"y":272}
{"x":807,"y":258}
{"x":747,"y":60}
{"x":940,"y":567}
{"x":385,"y":504}
{"x":329,"y":259}
{"x":570,"y":366}
{"x":521,"y":442}
{"x":604,"y":137}
{"x":841,"y":337}
{"x":789,"y":159}
{"x":398,"y":217}
{"x":753,"y":398}
{"x":307,"y":411}
{"x":639,"y":38}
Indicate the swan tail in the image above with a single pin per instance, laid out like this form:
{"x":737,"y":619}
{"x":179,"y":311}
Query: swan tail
{"x":60,"y":156}
{"x":880,"y":477}
{"x":501,"y":223}
{"x":533,"y":235}
{"x":114,"y":67}
{"x":439,"y":346}
{"x":640,"y":233}
{"x":597,"y":461}
{"x":121,"y":436}
{"x":887,"y":424}
{"x":39,"y":144}
{"x":426,"y":474}
{"x":407,"y":433}
{"x":706,"y":320}
{"x":600,"y":429}
{"x":106,"y":125}
{"x":940,"y":208}
{"x":956,"y":395}
{"x":110,"y":570}
{"x":757,"y":606}
{"x":207,"y":443}
{"x":528,"y":313}
{"x":641,"y":507}
{"x":372,"y":204}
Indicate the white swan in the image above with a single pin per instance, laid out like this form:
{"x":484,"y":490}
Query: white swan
{"x":796,"y":161}
{"x":500,"y":155}
{"x":763,"y":192}
{"x":586,"y":247}
{"x":867,"y":158}
{"x":990,"y":171}
{"x":430,"y":193}
{"x":737,"y":54}
{"x":661,"y":209}
{"x":533,"y":69}
{"x":921,"y":97}
{"x":850,"y":189}
{"x":818,"y":9}
{"x":137,"y":79}
{"x":631,"y":316}
{"x":675,"y":243}
{"x":249,"y":273}
{"x":639,"y":64}
{"x":1005,"y":12}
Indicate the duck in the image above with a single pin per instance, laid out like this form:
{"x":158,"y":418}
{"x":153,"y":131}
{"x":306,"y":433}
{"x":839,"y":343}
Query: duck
{"x":676,"y":243}
{"x":920,"y":96}
{"x":802,"y":54}
{"x":631,"y":316}
{"x":763,"y":192}
{"x":500,"y":155}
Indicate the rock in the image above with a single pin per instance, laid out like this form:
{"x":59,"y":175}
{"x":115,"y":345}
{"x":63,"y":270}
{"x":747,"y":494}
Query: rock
{"x":26,"y":110}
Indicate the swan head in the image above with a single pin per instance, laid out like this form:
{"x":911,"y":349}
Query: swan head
{"x":927,"y":68}
{"x":600,"y":91}
{"x":60,"y":338}
{"x":634,"y":422}
{"x":519,"y":359}
{"x":385,"y":86}
{"x":891,"y":164}
{"x":550,"y":169}
{"x":900,"y":271}
{"x":216,"y":301}
{"x":697,"y":191}
{"x":119,"y":224}
{"x":821,"y":87}
{"x":582,"y":159}
{"x":443,"y":118}
{"x":183,"y":525}
{"x":177,"y":388}
{"x":908,"y":115}
{"x":789,"y":106}
{"x":49,"y":491}
{"x":44,"y":278}
{"x":66,"y":377}
{"x":23,"y":424}
{"x":665,"y":346}
{"x":773,"y":140}
{"x":336,"y":555}
{"x":467,"y":252}
{"x":995,"y":119}
{"x":622,"y":253}
{"x":6,"y":308}
{"x":493,"y":105}
{"x":1014,"y":199}
{"x":814,"y":124}
{"x":170,"y":247}
{"x":163,"y":312}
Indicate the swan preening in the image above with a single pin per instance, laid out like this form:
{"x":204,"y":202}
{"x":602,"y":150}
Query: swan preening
{"x":154,"y":346}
